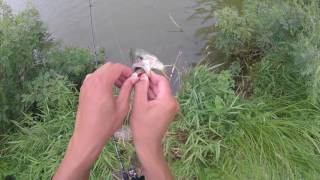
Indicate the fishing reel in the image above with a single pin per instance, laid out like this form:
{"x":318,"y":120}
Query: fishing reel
{"x":131,"y":174}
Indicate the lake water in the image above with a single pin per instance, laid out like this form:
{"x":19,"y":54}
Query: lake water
{"x":123,"y":24}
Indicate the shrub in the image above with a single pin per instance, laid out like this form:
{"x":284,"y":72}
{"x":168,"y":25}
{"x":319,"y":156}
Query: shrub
{"x":32,"y":151}
{"x":74,"y":63}
{"x":272,"y":133}
{"x":38,"y":146}
{"x":282,"y":32}
{"x":27,"y":52}
{"x":220,"y":135}
{"x":22,"y":36}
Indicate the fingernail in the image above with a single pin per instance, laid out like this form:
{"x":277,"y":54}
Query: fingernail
{"x":134,"y":78}
{"x":134,"y":75}
{"x":88,"y":75}
{"x":143,"y":77}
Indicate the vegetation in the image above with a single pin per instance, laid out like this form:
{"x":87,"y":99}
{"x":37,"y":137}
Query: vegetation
{"x":281,"y":33}
{"x":221,"y":135}
{"x":28,"y":52}
{"x":259,"y":118}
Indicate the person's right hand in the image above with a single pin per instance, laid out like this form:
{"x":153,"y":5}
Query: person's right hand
{"x":154,"y":108}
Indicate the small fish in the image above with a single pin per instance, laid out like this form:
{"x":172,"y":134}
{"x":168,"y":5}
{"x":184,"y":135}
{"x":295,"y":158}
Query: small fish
{"x":145,"y":62}
{"x":123,"y":134}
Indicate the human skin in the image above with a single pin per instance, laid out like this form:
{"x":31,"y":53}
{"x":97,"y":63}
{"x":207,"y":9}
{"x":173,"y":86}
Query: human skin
{"x":154,"y":108}
{"x":100,"y":114}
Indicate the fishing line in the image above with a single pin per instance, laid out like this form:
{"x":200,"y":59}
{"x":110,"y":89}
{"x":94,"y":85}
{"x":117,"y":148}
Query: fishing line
{"x":131,"y":173}
{"x":124,"y":173}
{"x":93,"y":36}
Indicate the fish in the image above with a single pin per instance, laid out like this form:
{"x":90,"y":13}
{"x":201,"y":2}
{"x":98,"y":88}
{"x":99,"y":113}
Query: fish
{"x":123,"y":134}
{"x":145,"y":62}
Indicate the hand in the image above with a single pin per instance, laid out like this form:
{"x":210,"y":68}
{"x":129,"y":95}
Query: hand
{"x":99,"y":115}
{"x":154,"y":108}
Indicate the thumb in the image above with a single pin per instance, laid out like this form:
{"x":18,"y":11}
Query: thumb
{"x":125,"y":91}
{"x":141,"y":90}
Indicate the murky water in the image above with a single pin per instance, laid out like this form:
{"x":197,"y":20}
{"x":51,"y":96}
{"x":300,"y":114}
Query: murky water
{"x":123,"y":24}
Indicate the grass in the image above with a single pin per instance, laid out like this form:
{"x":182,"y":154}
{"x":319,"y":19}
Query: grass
{"x":36,"y":149}
{"x":228,"y":137}
{"x":273,"y":132}
{"x":216,"y":135}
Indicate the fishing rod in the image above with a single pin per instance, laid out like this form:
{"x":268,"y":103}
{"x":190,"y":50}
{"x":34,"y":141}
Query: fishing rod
{"x":131,"y":173}
{"x":125,"y":175}
{"x":93,"y":36}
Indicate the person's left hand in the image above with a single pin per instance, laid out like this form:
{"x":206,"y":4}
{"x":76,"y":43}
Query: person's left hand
{"x":99,"y":115}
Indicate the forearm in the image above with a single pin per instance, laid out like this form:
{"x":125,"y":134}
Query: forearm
{"x":78,"y":160}
{"x":153,"y":162}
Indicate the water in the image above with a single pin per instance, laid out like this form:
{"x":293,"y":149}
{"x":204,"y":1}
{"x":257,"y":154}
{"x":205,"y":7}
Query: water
{"x":123,"y":24}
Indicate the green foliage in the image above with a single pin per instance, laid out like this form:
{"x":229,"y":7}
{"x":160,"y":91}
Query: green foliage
{"x":33,"y":149}
{"x":47,"y":92}
{"x":262,"y":26}
{"x":26,"y":52}
{"x":272,"y":134}
{"x":36,"y":149}
{"x":75,"y":63}
{"x":219,"y":135}
{"x":22,"y":37}
{"x":282,"y":32}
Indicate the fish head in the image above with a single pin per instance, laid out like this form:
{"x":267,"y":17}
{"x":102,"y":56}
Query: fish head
{"x":146,"y":62}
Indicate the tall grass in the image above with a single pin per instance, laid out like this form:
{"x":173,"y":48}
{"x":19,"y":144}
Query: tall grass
{"x":216,"y":135}
{"x":220,"y":135}
{"x":36,"y":149}
{"x":271,"y":30}
{"x":272,"y":133}
{"x":26,"y":51}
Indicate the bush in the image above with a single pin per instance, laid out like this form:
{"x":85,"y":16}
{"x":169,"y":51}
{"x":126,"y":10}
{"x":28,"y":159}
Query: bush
{"x":220,"y":135}
{"x":34,"y":145}
{"x":283,"y":33}
{"x":74,"y":63}
{"x":273,"y":132}
{"x":36,"y":149}
{"x":27,"y":52}
{"x":22,"y":36}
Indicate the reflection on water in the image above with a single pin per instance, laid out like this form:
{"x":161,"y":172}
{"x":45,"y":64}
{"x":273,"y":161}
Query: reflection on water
{"x":121,"y":24}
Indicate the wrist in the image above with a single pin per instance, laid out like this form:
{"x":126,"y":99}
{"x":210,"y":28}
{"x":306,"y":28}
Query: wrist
{"x":84,"y":149}
{"x":150,"y":147}
{"x":153,"y":162}
{"x":79,"y":158}
{"x":149,"y":155}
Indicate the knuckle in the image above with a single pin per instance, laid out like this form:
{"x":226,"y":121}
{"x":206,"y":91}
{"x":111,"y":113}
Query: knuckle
{"x":82,"y":87}
{"x":85,"y":82}
{"x":117,"y":65}
{"x":109,"y":63}
{"x":162,"y":78}
{"x":91,"y":80}
{"x":172,"y":105}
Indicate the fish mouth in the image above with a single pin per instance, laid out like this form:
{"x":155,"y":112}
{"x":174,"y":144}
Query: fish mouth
{"x":145,"y":62}
{"x":139,"y":67}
